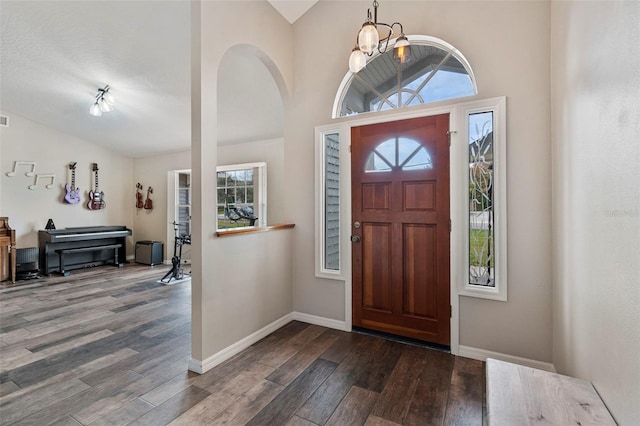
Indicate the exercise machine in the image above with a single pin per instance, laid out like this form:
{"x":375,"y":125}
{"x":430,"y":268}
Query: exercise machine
{"x":176,"y":272}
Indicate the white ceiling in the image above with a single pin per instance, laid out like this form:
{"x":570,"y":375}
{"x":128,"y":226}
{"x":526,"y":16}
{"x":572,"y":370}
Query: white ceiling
{"x":292,"y":9}
{"x":55,"y":55}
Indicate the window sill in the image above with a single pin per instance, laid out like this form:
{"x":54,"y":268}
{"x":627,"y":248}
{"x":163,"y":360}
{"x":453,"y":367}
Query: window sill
{"x":492,"y":293}
{"x":230,"y":232}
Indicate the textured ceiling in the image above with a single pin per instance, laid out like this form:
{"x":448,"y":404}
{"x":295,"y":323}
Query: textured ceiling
{"x":55,"y":55}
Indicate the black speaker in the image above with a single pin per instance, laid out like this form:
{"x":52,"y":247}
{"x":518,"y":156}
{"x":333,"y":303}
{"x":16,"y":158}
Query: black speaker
{"x":27,"y":264}
{"x":149,"y":252}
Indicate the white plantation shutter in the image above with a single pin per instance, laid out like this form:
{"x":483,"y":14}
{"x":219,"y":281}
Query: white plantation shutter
{"x":332,"y":203}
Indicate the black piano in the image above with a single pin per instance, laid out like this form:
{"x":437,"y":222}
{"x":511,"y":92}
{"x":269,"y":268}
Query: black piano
{"x":62,"y":250}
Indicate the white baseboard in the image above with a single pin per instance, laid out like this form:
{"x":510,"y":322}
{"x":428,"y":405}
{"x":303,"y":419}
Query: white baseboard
{"x":201,"y":367}
{"x":322,"y":321}
{"x":482,"y":355}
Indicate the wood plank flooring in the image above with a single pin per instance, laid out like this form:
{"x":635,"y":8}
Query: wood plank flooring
{"x":109,"y":346}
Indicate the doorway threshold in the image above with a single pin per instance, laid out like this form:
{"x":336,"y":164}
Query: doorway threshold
{"x":402,"y":339}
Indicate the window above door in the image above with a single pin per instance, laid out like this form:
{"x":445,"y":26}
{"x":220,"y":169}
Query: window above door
{"x":436,"y":71}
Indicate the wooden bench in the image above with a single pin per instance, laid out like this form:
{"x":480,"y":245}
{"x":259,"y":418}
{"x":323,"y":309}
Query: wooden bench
{"x":62,"y":252}
{"x":518,"y":395}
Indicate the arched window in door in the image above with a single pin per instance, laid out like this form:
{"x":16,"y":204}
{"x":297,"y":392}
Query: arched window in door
{"x":435,"y":71}
{"x":398,"y":153}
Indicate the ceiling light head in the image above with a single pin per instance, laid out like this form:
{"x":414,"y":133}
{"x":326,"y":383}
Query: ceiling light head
{"x":357,"y":60}
{"x":95,"y":110}
{"x":105,"y":106}
{"x":402,"y":49}
{"x":103,"y":103}
{"x":108,"y":97}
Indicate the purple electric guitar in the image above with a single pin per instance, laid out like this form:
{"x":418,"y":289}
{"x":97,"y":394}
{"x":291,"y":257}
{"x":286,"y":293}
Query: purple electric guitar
{"x":73,"y":194}
{"x":96,"y":197}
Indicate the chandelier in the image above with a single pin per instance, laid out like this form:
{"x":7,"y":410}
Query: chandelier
{"x":374,"y":36}
{"x":104,"y":102}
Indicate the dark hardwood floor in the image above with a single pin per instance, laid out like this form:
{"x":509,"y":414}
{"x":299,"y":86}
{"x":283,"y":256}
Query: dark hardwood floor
{"x":109,"y":346}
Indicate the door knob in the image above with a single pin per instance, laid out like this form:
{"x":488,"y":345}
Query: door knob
{"x":355,"y":238}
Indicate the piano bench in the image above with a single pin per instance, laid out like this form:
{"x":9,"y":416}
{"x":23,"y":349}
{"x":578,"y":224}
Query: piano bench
{"x":62,"y":252}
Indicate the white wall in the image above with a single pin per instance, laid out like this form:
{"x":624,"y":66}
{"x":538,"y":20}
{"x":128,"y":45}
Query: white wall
{"x":507,"y":45}
{"x":596,"y":201}
{"x":229,"y":304}
{"x":154,"y":224}
{"x":29,"y":210}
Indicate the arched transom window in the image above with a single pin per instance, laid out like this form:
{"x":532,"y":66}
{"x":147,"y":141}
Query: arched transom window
{"x":435,"y":71}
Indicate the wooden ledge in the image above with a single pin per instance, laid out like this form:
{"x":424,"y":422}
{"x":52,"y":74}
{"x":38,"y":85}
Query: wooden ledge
{"x":254,"y":230}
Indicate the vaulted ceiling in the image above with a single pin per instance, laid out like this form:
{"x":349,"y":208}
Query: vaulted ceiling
{"x":56,"y":54}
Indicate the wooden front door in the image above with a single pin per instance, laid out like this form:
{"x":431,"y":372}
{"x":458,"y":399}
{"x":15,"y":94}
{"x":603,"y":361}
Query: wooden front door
{"x":400,"y":229}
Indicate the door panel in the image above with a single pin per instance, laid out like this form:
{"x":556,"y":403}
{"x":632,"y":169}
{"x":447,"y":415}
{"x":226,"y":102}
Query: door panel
{"x":419,"y":195}
{"x":400,"y":199}
{"x":375,"y":196}
{"x":419,"y":276}
{"x":377,"y":267}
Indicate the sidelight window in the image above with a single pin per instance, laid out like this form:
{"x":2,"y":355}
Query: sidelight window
{"x":485,"y":142}
{"x":328,"y":248}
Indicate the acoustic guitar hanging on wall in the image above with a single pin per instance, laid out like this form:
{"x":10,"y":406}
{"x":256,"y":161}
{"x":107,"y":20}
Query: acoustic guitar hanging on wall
{"x":96,"y":197}
{"x":139,"y":202}
{"x":73,"y":194}
{"x":148,"y":203}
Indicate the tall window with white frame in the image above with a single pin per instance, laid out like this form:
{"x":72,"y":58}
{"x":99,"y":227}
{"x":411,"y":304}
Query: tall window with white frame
{"x":485,"y":192}
{"x":328,"y":259}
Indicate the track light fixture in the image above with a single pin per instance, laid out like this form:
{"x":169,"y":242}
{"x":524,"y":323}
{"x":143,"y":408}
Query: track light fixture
{"x":374,"y":36}
{"x":104,"y":102}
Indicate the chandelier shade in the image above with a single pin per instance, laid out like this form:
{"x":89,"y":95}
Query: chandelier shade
{"x":368,"y":38}
{"x":368,"y":41}
{"x":357,"y":60}
{"x":402,"y":49}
